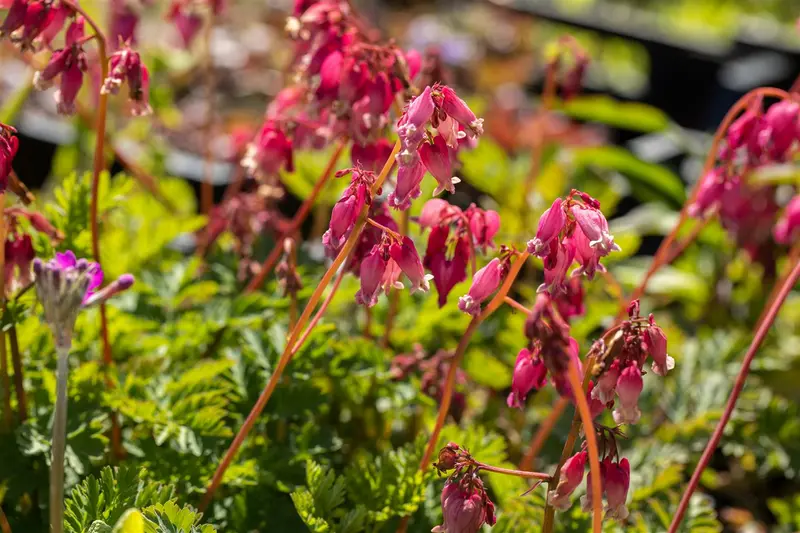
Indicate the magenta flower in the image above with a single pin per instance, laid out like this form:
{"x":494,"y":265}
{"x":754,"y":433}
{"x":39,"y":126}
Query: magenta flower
{"x":66,"y":284}
{"x":437,"y":212}
{"x":124,"y":21}
{"x":779,"y":128}
{"x":9,"y":144}
{"x":187,"y":20}
{"x":656,"y":344}
{"x":607,"y":383}
{"x":616,"y":482}
{"x":571,"y":477}
{"x":596,"y":407}
{"x":595,"y":226}
{"x":406,"y":256}
{"x":711,"y":189}
{"x":530,"y":374}
{"x":346,"y":211}
{"x":68,"y":62}
{"x":570,"y":304}
{"x":629,"y":387}
{"x":372,"y":272}
{"x":786,"y":229}
{"x":743,"y":129}
{"x":555,"y":268}
{"x":456,"y":108}
{"x":483,"y":225}
{"x":409,"y":178}
{"x":438,"y":160}
{"x":15,"y":18}
{"x":19,"y":257}
{"x":484,"y":283}
{"x":411,"y":126}
{"x":447,"y":260}
{"x":270,"y":151}
{"x":551,"y":223}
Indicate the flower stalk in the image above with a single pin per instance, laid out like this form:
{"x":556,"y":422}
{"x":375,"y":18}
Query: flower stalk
{"x":285,"y":357}
{"x":59,"y":444}
{"x":738,"y":385}
{"x":19,"y":380}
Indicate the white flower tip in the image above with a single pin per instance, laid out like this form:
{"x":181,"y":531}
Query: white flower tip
{"x":398,"y":285}
{"x":455,"y":181}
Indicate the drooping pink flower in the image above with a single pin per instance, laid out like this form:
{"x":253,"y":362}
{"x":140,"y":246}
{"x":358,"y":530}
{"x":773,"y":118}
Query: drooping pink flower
{"x":566,"y":357}
{"x":596,"y":407}
{"x":616,"y":482}
{"x":9,"y":144}
{"x":465,"y":508}
{"x":656,"y":344}
{"x":447,"y":263}
{"x":438,"y":160}
{"x":786,"y":229}
{"x":270,"y":151}
{"x":346,"y":210}
{"x":571,"y":477}
{"x":436,"y":212}
{"x":456,"y":108}
{"x":71,"y":81}
{"x":56,"y":18}
{"x":712,"y":186}
{"x":68,"y":62}
{"x":483,"y":225}
{"x":551,"y":223}
{"x":187,"y":20}
{"x":38,"y":16}
{"x":743,"y":128}
{"x":556,"y":265}
{"x":406,"y":256}
{"x":587,"y":257}
{"x":19,"y":258}
{"x":629,"y":387}
{"x":595,"y":226}
{"x":529,"y":374}
{"x":15,"y":17}
{"x":570,"y":304}
{"x":372,"y":272}
{"x":606,"y":384}
{"x":409,"y":178}
{"x":484,"y":283}
{"x":779,"y":131}
{"x":411,"y":126}
{"x":124,"y":21}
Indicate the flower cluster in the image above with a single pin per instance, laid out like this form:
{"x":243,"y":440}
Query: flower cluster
{"x":125,"y":65}
{"x":571,"y":230}
{"x":68,"y":62}
{"x":32,"y":23}
{"x":451,"y":120}
{"x":550,"y":350}
{"x":346,"y":211}
{"x":381,"y":269}
{"x":615,"y":476}
{"x":634,"y":341}
{"x":9,"y":144}
{"x":755,"y":140}
{"x":455,"y":236}
{"x":466,"y":506}
{"x":433,"y":372}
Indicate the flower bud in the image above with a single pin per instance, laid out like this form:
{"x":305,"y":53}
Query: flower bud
{"x":448,"y":456}
{"x":484,"y":283}
{"x":371,"y":273}
{"x":571,"y":477}
{"x":409,"y":177}
{"x":551,"y":223}
{"x":616,"y":482}
{"x":656,"y":344}
{"x":465,"y":509}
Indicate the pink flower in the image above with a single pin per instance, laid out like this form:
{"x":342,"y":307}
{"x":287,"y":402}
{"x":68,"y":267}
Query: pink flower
{"x":407,"y":258}
{"x":447,"y":262}
{"x":743,"y":129}
{"x":465,"y":508}
{"x":409,"y":177}
{"x":786,"y":229}
{"x":455,"y":107}
{"x":529,"y":374}
{"x":570,"y":304}
{"x":124,"y":21}
{"x":411,"y":126}
{"x":607,"y":384}
{"x":555,"y":269}
{"x":9,"y":144}
{"x":587,"y":257}
{"x":656,"y":344}
{"x":595,"y":226}
{"x":436,"y":212}
{"x":551,"y":223}
{"x":559,"y":366}
{"x":439,"y":161}
{"x":270,"y":151}
{"x":484,"y":283}
{"x":187,"y":20}
{"x":19,"y":257}
{"x":711,"y":189}
{"x":71,"y":81}
{"x":483,"y":225}
{"x":38,"y":17}
{"x":596,"y":407}
{"x":629,"y":387}
{"x":372,"y":272}
{"x":346,"y":211}
{"x":780,"y":128}
{"x":616,"y":482}
{"x":15,"y":17}
{"x":329,"y":75}
{"x":571,"y":477}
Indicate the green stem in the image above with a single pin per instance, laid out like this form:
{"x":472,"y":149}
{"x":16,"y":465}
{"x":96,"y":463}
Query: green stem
{"x":63,"y":343}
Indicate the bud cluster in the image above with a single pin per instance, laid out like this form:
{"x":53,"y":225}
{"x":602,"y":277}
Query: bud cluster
{"x":466,"y":506}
